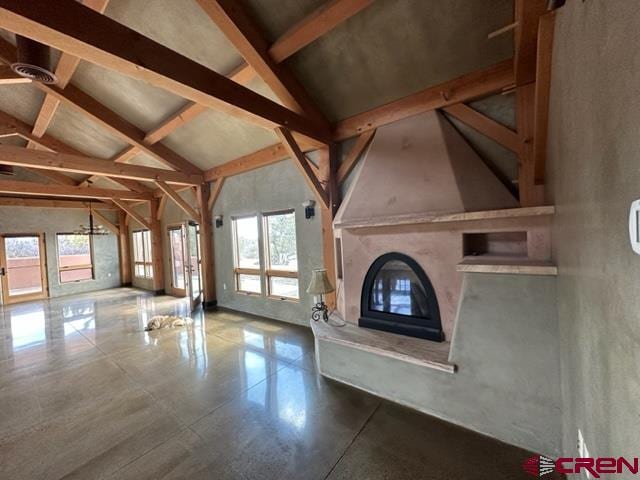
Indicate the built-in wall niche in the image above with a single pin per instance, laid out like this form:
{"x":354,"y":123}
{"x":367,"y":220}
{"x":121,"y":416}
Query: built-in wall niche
{"x":495,"y":244}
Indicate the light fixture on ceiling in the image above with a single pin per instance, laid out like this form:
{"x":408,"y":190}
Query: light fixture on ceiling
{"x":7,"y":170}
{"x":91,"y":229}
{"x":34,"y":61}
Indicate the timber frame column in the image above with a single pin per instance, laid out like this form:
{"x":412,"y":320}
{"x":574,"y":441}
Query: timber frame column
{"x":328,"y":164}
{"x":124,"y":250}
{"x":157,"y":247}
{"x":203,"y":192}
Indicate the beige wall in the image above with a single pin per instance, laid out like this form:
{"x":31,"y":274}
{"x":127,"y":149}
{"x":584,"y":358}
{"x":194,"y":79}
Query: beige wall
{"x":594,"y":175}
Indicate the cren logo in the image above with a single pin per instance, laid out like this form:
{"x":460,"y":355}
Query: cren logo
{"x":539,"y":465}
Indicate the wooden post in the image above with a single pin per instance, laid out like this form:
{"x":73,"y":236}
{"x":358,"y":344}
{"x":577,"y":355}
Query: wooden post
{"x":124,"y":250}
{"x":530,"y":194}
{"x":206,"y":247}
{"x":328,"y":173}
{"x":157,"y":250}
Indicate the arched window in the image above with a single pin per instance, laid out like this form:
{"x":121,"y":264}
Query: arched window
{"x":398,"y":297}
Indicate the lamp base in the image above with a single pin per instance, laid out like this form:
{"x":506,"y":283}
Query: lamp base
{"x":319,"y":311}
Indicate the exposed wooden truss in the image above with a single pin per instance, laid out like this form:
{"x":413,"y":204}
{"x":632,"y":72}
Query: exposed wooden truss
{"x":178,"y":200}
{"x":242,"y":32}
{"x":542,"y":90}
{"x":61,"y":162}
{"x":15,"y":187}
{"x":107,"y":43}
{"x":315,"y":25}
{"x":300,"y":161}
{"x":352,"y":157}
{"x":105,"y":221}
{"x":51,"y":203}
{"x":65,"y":69}
{"x":527,"y":16}
{"x":259,"y":158}
{"x":473,"y":85}
{"x":132,"y":213}
{"x":487,"y":126}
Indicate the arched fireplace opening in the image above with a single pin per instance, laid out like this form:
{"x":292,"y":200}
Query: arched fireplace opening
{"x":398,"y":297}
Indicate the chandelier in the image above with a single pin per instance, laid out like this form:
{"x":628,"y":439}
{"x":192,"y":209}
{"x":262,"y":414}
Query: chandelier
{"x":92,"y":228}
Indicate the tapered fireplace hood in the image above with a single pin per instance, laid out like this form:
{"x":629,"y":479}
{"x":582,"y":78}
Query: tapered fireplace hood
{"x":421,"y":165}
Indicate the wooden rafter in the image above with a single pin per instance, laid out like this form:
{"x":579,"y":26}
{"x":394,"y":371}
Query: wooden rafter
{"x":473,"y":85}
{"x":300,"y":161}
{"x":242,"y":32}
{"x":178,"y":200}
{"x":485,"y":125}
{"x":175,"y":121}
{"x":132,"y":213}
{"x":542,"y":91}
{"x":527,"y":16}
{"x":260,"y":158}
{"x":22,"y":157}
{"x":79,"y":101}
{"x":315,"y":25}
{"x":15,"y":187}
{"x":351,"y":159}
{"x":80,"y":31}
{"x":65,"y":69}
{"x":52,"y":203}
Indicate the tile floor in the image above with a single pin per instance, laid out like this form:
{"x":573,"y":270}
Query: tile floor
{"x":85,"y":393}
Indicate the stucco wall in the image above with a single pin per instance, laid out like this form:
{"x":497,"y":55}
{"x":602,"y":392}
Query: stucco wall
{"x":593,"y":177}
{"x":276,"y":187}
{"x":505,"y":346}
{"x":59,"y":220}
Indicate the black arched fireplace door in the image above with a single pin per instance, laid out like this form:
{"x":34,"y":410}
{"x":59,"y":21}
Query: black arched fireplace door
{"x":398,"y":297}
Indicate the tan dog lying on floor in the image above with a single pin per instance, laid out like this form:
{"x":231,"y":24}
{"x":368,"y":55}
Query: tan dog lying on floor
{"x":166,"y":321}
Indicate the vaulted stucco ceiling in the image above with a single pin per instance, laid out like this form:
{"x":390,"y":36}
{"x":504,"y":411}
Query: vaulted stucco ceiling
{"x":389,"y":50}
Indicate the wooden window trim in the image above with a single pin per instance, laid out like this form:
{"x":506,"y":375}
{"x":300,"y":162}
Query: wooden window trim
{"x":272,"y":272}
{"x":70,"y":268}
{"x":147,"y":263}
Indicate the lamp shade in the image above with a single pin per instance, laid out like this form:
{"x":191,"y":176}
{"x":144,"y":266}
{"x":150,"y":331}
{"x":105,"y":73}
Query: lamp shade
{"x":320,"y":283}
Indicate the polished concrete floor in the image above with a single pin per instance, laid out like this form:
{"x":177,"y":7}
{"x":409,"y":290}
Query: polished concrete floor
{"x":86,"y":393}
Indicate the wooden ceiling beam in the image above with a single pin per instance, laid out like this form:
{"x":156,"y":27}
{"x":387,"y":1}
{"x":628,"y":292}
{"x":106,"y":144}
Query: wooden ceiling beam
{"x":178,"y":200}
{"x":39,"y":159}
{"x":527,"y":16}
{"x":315,"y":25}
{"x":86,"y":105}
{"x":15,"y":187}
{"x":245,"y":35}
{"x":80,"y":31}
{"x":260,"y":158}
{"x":300,"y":161}
{"x":65,"y":69}
{"x":132,"y":213}
{"x":485,"y":125}
{"x":104,"y":221}
{"x":467,"y":87}
{"x":46,"y":203}
{"x":215,"y":193}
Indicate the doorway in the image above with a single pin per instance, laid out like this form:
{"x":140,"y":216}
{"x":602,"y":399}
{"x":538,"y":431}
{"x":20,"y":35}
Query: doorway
{"x":178,"y":267}
{"x":23,"y":267}
{"x":194,"y":263}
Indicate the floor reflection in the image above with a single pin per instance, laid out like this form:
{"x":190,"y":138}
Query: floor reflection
{"x":28,"y":326}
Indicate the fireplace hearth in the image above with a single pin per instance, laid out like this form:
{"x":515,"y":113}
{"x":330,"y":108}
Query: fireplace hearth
{"x":398,"y":297}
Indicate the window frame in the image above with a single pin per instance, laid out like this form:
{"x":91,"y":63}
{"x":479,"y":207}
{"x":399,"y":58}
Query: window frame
{"x":274,"y":272}
{"x":147,"y":257}
{"x":70,"y":268}
{"x":237,"y":270}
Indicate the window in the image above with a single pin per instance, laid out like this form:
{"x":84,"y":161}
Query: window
{"x":75,"y":257}
{"x":282,"y":254}
{"x":142,"y":254}
{"x":247,"y":254}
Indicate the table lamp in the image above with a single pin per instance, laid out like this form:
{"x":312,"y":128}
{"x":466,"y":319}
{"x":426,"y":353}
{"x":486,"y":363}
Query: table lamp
{"x":320,"y":285}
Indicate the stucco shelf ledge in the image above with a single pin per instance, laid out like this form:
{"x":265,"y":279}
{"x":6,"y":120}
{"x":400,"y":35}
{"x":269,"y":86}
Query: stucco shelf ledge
{"x":421,"y":218}
{"x":407,"y":349}
{"x":513,"y":266}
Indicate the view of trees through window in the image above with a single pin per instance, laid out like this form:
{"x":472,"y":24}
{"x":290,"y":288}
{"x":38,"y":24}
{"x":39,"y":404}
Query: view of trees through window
{"x":282,"y":241}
